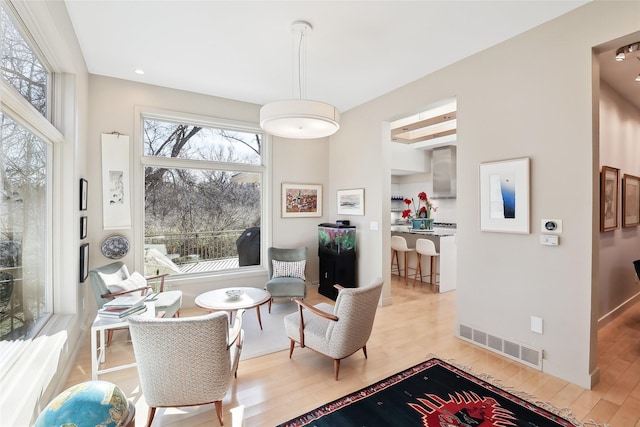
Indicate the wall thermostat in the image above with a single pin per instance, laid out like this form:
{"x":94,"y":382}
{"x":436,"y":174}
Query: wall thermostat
{"x":551,"y":226}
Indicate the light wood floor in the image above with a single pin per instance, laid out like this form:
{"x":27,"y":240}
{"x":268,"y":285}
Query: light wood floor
{"x":274,"y":389}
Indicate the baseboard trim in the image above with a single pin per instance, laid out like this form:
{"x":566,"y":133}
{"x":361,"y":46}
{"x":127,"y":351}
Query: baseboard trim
{"x":609,"y":317}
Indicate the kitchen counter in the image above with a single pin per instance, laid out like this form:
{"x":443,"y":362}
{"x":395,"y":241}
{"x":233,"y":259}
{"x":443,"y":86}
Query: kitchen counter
{"x":437,"y":231}
{"x":445,"y":243}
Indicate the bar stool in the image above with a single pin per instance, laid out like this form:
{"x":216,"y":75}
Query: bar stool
{"x":399,"y":244}
{"x":426,"y":247}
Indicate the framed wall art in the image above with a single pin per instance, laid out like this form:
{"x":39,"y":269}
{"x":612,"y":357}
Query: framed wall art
{"x":301,"y":200}
{"x":630,"y":200}
{"x":609,"y":191}
{"x":504,"y":196}
{"x":83,"y":227}
{"x":84,"y":262}
{"x":116,"y":205}
{"x":84,"y":193}
{"x":351,"y":202}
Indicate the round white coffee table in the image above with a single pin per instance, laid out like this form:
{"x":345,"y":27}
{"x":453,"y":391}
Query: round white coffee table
{"x":217,"y":300}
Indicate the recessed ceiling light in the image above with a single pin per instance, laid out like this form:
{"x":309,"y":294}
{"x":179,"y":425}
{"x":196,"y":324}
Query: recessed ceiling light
{"x":139,"y":71}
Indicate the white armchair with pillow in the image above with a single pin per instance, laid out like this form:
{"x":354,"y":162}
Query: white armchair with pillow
{"x":286,"y":273}
{"x":112,"y":280}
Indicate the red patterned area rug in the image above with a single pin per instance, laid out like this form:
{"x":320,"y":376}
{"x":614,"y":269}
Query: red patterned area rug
{"x":431,"y":394}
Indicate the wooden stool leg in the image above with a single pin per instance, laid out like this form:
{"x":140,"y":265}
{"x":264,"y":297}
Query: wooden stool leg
{"x":418,"y":269}
{"x":406,"y":268}
{"x":394,"y":253}
{"x":434,"y":273}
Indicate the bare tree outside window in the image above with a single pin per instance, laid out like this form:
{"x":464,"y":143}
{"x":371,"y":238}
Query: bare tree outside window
{"x":194,"y":215}
{"x":20,"y":65}
{"x":23,"y":215}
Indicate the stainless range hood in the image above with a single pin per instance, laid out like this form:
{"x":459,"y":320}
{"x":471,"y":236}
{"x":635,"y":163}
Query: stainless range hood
{"x":443,"y":165}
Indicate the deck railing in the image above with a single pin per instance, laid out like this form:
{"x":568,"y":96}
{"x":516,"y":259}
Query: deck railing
{"x":202,"y":246}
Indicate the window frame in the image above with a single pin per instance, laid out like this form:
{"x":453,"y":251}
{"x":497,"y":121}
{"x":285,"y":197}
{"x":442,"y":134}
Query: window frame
{"x":142,"y":161}
{"x":21,"y":111}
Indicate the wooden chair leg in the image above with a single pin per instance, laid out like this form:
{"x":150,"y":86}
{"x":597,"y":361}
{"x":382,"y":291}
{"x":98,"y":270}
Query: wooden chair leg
{"x":218,"y":404}
{"x":336,"y":367}
{"x":270,"y":301}
{"x":364,"y":350}
{"x":292,"y":344}
{"x":150,"y":415}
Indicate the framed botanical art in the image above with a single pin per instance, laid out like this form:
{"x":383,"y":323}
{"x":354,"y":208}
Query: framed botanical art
{"x":351,"y":202}
{"x":609,"y":191}
{"x":630,"y":200}
{"x":504,"y":196}
{"x":84,"y":262}
{"x":301,"y":200}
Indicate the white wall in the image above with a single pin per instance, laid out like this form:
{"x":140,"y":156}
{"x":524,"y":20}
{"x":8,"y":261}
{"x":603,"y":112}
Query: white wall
{"x":541,"y":108}
{"x":619,"y":148}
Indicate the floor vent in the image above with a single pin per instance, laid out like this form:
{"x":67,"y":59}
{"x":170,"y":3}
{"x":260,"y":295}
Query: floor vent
{"x":513,"y":350}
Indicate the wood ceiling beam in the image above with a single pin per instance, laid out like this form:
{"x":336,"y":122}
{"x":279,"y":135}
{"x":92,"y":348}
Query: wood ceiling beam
{"x":403,"y":140}
{"x":443,"y":118}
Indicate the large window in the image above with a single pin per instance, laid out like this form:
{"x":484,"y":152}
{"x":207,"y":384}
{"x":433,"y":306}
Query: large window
{"x":25,"y":159}
{"x":203,"y":197}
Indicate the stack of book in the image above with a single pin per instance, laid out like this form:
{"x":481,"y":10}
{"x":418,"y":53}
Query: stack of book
{"x":121,"y":307}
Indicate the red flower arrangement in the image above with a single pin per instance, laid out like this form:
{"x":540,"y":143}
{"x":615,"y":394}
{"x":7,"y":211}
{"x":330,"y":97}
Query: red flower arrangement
{"x":424,"y":207}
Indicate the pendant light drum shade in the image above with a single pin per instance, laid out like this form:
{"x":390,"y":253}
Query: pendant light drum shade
{"x":299,"y":118}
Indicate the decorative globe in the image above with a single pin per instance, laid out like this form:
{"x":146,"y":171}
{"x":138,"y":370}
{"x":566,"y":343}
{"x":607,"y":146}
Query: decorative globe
{"x":88,"y":404}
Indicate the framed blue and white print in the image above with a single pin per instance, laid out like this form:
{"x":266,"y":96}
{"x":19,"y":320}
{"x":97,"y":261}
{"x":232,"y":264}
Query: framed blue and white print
{"x":504,"y":196}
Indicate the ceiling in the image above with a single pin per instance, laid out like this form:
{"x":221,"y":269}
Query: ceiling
{"x":357,"y":50}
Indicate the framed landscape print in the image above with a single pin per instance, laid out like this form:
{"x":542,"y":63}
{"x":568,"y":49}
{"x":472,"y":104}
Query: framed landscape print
{"x":351,"y":202}
{"x":301,"y":200}
{"x":630,"y":200}
{"x":609,"y":191}
{"x":504,"y":196}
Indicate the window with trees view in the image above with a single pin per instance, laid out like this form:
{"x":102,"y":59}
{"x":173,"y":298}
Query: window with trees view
{"x":25,"y":167}
{"x":202,"y":197}
{"x":21,"y":67}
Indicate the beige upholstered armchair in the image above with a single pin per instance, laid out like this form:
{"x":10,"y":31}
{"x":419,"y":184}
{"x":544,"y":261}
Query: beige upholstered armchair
{"x":286,"y":273}
{"x":336,"y":331}
{"x":186,"y":361}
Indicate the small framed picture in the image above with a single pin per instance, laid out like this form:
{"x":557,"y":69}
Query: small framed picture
{"x":83,"y":227}
{"x":351,"y":202}
{"x":630,"y":200}
{"x":609,"y":191}
{"x":84,"y":189}
{"x":301,"y":200}
{"x":84,"y":262}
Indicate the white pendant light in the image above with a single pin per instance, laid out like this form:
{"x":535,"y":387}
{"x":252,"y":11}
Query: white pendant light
{"x":300,"y":118}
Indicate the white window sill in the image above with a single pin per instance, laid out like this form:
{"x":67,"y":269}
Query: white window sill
{"x":31,"y":373}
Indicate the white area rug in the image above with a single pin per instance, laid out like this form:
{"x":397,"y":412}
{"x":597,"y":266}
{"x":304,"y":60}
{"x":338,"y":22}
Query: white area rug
{"x":273,"y":337}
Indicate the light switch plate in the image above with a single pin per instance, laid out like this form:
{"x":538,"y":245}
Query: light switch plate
{"x":373,"y":225}
{"x":536,"y":324}
{"x":549,"y":240}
